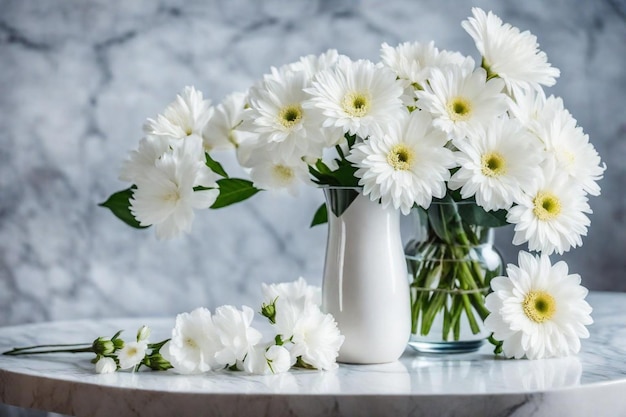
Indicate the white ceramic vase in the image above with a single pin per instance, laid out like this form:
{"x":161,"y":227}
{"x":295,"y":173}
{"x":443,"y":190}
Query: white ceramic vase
{"x":365,"y":278}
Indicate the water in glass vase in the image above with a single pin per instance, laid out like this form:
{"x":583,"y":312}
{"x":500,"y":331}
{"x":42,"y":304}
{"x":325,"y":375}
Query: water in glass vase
{"x":450,"y":263}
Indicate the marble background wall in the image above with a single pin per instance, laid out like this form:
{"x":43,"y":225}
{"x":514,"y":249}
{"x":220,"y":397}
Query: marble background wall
{"x":78,"y":78}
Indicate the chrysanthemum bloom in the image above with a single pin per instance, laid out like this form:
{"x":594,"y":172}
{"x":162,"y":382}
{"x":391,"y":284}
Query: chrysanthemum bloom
{"x":498,"y":164}
{"x":312,"y":64}
{"x":551,"y":216}
{"x":461,"y":103}
{"x":539,"y":310}
{"x":413,"y":62}
{"x":409,"y":164}
{"x":513,"y":56}
{"x":193,"y":344}
{"x":220,"y":130}
{"x":166,"y":197}
{"x":185,"y":116}
{"x":356,"y":96}
{"x":271,"y":173}
{"x":278,"y":116}
{"x":574,"y":154}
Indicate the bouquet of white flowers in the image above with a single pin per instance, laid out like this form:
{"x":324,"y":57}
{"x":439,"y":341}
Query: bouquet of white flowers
{"x":422,"y":125}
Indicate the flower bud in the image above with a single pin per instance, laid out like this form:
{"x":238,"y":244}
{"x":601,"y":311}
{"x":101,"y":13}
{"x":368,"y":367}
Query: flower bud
{"x":269,"y":311}
{"x":143,"y":333}
{"x":156,"y":362}
{"x":102,"y":346}
{"x":119,"y":343}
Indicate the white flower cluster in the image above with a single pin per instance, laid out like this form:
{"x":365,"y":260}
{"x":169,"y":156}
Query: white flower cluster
{"x":421,"y":124}
{"x":303,"y":335}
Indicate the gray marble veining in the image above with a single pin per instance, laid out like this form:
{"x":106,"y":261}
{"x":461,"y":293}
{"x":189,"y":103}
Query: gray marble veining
{"x":78,"y":78}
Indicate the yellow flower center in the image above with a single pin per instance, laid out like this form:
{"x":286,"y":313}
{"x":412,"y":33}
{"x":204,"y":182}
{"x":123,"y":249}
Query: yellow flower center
{"x":191,"y":343}
{"x":290,"y":115}
{"x":547,"y":206}
{"x":401,"y":157}
{"x":356,"y":104}
{"x":493,"y":164}
{"x":132,"y":351}
{"x":539,"y":306}
{"x":459,"y":109}
{"x":283,"y":173}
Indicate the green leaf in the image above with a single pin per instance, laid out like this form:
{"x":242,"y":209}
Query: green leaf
{"x":233,"y":190}
{"x":320,"y":216}
{"x":215,"y":166}
{"x":474,"y":214}
{"x":119,"y":204}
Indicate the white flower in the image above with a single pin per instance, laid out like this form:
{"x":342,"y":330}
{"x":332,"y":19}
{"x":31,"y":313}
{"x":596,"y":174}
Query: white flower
{"x":270,"y":174}
{"x":235,"y":333}
{"x":143,"y":333}
{"x":513,"y":56}
{"x":413,"y":62}
{"x":193,"y":344}
{"x":498,"y":164}
{"x":220,"y":130}
{"x":277,"y":114}
{"x":539,"y":310}
{"x":132,"y":354}
{"x":141,"y":161}
{"x":165,"y":197}
{"x":292,"y":291}
{"x":185,"y":116}
{"x":312,"y":64}
{"x":460,"y":102}
{"x":263,"y":360}
{"x":407,"y":165}
{"x":551,"y":216}
{"x":316,"y":338}
{"x":356,"y":96}
{"x":106,"y":365}
{"x":570,"y":147}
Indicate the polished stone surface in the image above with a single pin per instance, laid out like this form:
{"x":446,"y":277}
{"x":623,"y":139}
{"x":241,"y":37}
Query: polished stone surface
{"x":591,"y":383}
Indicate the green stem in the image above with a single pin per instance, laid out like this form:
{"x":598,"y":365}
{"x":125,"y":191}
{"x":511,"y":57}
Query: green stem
{"x":30,"y":350}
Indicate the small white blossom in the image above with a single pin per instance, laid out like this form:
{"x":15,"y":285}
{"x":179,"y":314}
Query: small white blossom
{"x":106,"y":365}
{"x":193,"y":344}
{"x":132,"y":354}
{"x":187,"y":115}
{"x":235,"y":333}
{"x":263,"y":360}
{"x":292,"y":291}
{"x":220,"y":132}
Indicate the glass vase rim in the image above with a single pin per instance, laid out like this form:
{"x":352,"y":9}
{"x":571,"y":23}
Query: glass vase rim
{"x":340,"y":187}
{"x":443,"y":203}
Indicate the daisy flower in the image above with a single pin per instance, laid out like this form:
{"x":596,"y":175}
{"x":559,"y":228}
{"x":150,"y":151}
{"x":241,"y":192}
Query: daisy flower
{"x":569,"y":146}
{"x":277,"y":115}
{"x":193,"y":344}
{"x":551,"y":215}
{"x":272,"y":174}
{"x":513,"y":56}
{"x":539,"y":310}
{"x":185,"y":116}
{"x":166,"y":197}
{"x":460,"y":102}
{"x":356,"y":96}
{"x":132,"y":354}
{"x":497,"y":165}
{"x":407,"y":165}
{"x":413,"y":61}
{"x":312,"y":64}
{"x":220,"y":130}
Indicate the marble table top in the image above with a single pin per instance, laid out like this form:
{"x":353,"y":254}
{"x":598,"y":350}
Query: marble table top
{"x":592,"y":383}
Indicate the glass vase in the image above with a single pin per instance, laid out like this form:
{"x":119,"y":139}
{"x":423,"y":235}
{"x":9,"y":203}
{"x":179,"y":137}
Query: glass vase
{"x":450,"y":264}
{"x":364,"y":285}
